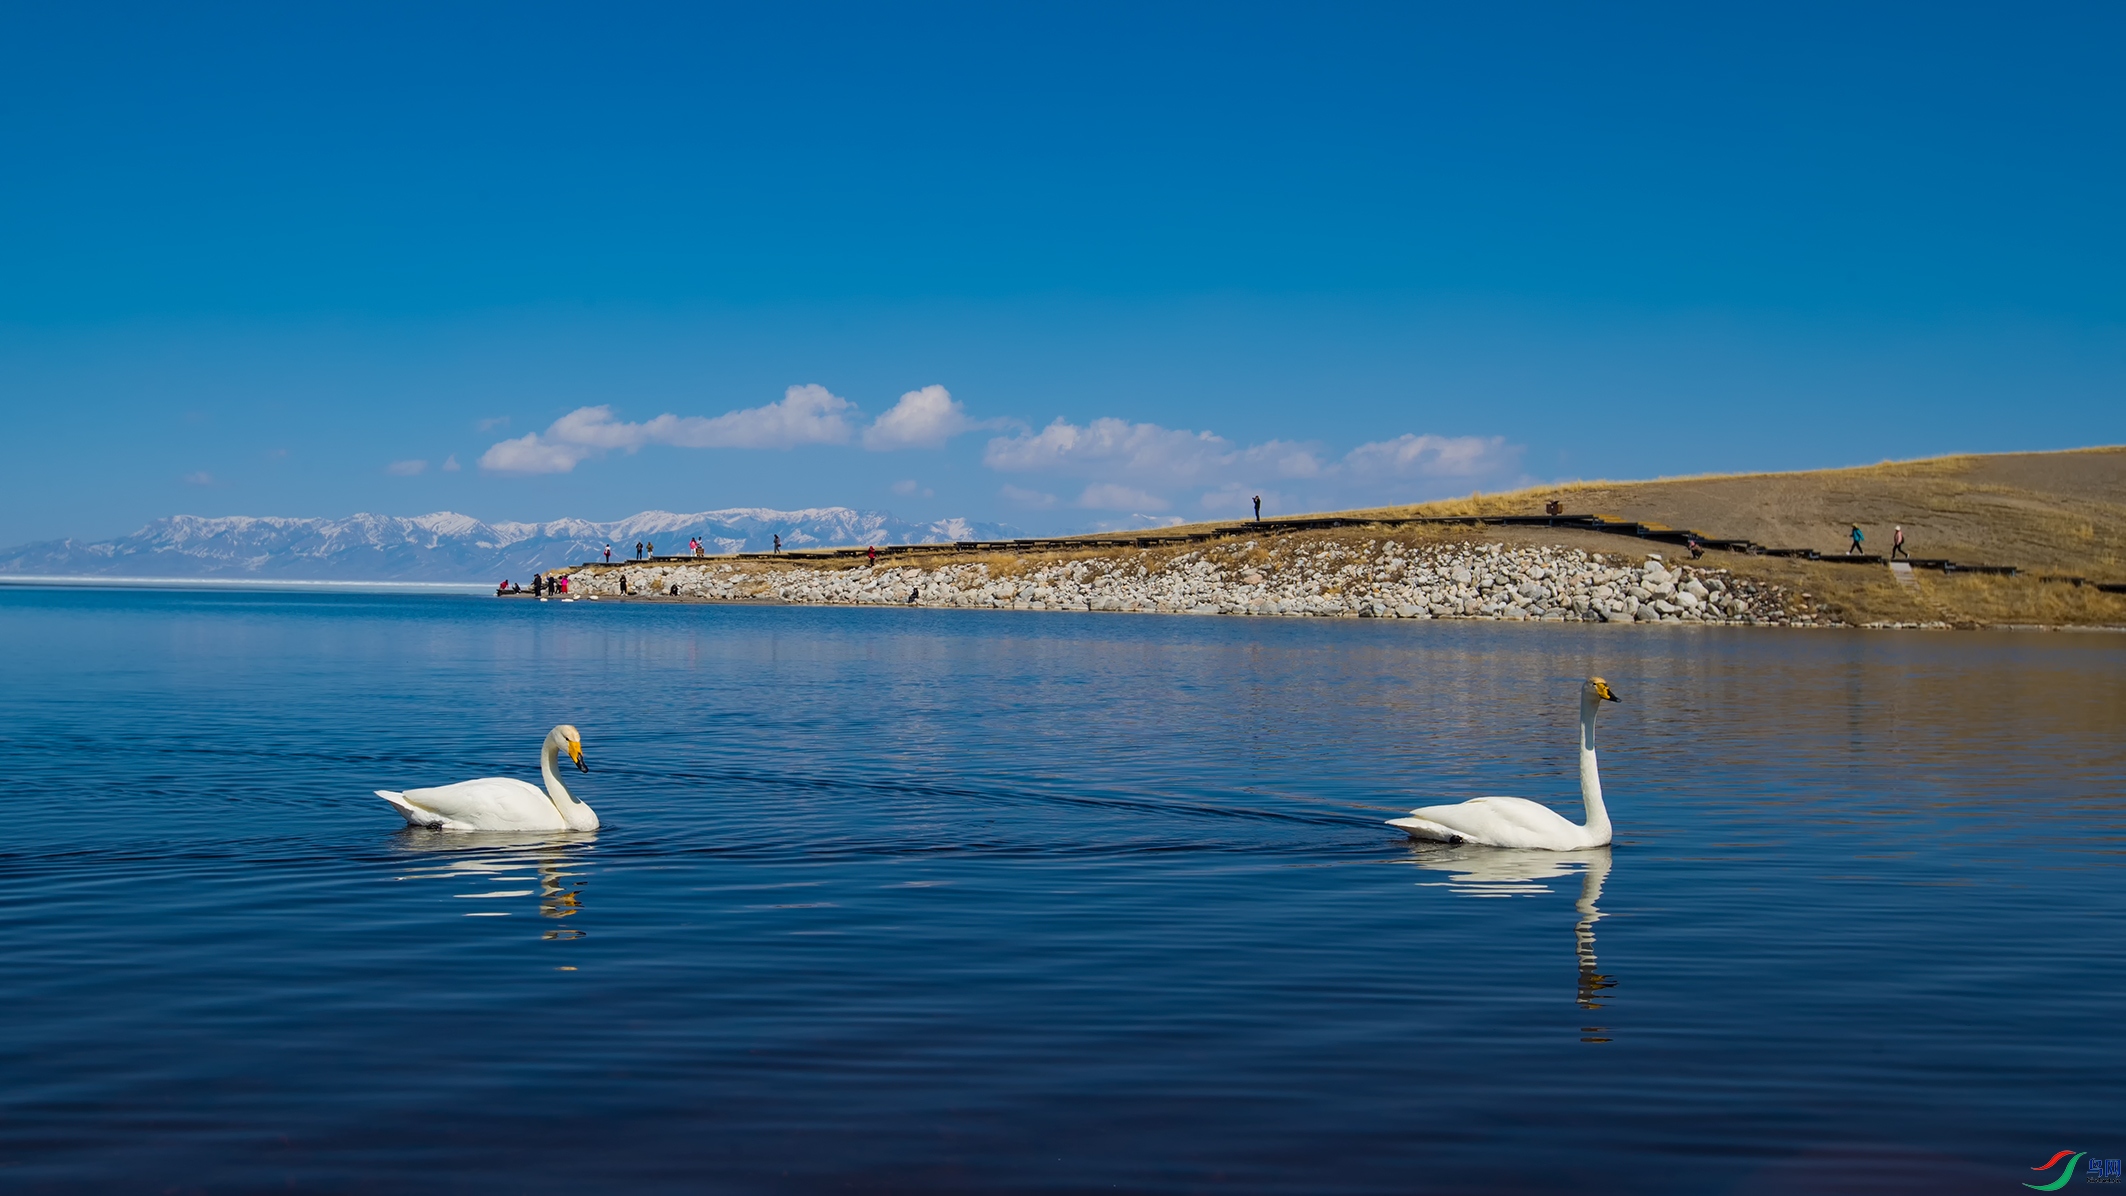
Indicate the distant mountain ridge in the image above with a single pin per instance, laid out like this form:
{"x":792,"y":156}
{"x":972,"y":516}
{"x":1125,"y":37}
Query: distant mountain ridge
{"x":449,"y":547}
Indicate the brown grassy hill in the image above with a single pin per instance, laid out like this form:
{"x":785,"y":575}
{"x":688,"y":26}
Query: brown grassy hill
{"x":2045,"y":513}
{"x":2057,"y":512}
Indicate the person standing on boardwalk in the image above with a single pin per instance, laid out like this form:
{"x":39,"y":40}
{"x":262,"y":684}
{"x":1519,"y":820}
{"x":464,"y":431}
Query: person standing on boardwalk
{"x":1853,"y":549}
{"x":638,"y":550}
{"x":649,"y":550}
{"x":872,"y":553}
{"x":608,"y":554}
{"x":778,"y":542}
{"x":1897,"y":544}
{"x":1258,"y":508}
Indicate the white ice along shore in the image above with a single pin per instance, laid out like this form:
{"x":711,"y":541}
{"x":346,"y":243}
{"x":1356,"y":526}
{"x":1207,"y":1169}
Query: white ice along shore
{"x":1372,"y":578}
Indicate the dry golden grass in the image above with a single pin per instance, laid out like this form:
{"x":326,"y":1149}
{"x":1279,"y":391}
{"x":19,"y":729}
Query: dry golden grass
{"x":2058,"y":512}
{"x":1994,"y":600}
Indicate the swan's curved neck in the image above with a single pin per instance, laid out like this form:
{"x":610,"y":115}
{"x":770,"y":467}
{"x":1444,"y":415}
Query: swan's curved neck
{"x":549,"y":758}
{"x":1590,"y":775}
{"x":573,"y":811}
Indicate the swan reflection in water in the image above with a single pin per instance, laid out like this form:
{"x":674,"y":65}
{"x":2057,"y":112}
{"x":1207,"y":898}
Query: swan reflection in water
{"x":1492,"y":872}
{"x":483,"y":867}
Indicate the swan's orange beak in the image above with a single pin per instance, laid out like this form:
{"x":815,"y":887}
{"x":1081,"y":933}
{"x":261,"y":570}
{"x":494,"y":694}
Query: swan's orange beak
{"x":575,"y":752}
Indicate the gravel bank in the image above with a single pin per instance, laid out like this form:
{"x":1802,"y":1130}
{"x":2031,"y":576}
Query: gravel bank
{"x":1367,"y":578}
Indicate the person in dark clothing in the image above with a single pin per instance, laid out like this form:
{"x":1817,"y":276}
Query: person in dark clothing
{"x":912,"y":595}
{"x":623,"y":583}
{"x":778,"y":543}
{"x":538,"y":584}
{"x":638,"y":550}
{"x":1258,"y":508}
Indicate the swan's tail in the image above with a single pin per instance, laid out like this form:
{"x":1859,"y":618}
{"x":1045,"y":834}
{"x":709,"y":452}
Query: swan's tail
{"x":415,"y":815}
{"x":1421,"y":828}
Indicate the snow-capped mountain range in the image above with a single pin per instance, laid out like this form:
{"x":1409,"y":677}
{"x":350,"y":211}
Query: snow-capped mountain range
{"x":448,"y":547}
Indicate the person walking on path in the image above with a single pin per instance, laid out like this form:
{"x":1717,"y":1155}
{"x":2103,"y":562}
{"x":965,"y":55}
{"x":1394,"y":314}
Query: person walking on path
{"x":1853,"y":549}
{"x":608,"y":554}
{"x":1258,"y":508}
{"x":778,"y":542}
{"x":1897,"y":544}
{"x":872,"y":552}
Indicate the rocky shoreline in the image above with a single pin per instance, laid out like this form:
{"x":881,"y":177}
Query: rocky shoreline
{"x":1376,"y":578}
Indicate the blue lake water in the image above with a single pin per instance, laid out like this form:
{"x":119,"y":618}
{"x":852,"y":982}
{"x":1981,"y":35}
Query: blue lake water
{"x":919,"y":900}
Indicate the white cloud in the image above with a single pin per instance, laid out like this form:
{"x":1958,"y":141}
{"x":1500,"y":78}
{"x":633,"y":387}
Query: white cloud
{"x":1412,"y":456}
{"x":924,"y":418}
{"x":805,"y":415}
{"x":1140,"y":466}
{"x":492,"y":422}
{"x":1028,"y":498}
{"x":1138,"y":522}
{"x":528,"y":454}
{"x":1116,"y":449}
{"x":201,"y":478}
{"x":1113,"y":496}
{"x":450,"y":464}
{"x":910,"y":486}
{"x":405,"y":469}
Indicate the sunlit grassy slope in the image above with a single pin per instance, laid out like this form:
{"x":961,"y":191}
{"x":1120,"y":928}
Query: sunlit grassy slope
{"x":2060,"y":512}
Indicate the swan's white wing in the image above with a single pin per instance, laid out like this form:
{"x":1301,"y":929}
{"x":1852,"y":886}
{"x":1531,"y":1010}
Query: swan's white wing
{"x":488,"y":804}
{"x":1497,"y":822}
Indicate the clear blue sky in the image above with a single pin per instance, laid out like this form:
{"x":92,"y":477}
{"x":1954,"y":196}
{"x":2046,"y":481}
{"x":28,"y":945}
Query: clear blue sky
{"x":300,"y":259}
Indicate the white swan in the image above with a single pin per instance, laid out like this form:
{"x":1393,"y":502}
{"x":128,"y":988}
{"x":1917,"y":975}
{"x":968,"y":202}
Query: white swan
{"x":504,"y":803}
{"x":1518,"y":822}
